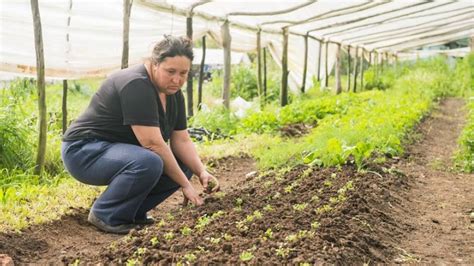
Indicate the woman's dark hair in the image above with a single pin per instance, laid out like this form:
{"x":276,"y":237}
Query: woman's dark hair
{"x":172,"y":46}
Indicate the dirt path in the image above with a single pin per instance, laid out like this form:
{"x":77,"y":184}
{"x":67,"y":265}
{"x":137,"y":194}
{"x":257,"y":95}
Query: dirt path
{"x":73,"y":236}
{"x":441,"y":200}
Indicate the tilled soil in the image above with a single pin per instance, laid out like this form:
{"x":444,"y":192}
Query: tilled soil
{"x":439,"y":205}
{"x":73,"y":236}
{"x":412,"y":209}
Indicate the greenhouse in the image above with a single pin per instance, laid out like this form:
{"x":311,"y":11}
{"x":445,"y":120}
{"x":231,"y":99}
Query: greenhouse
{"x":299,"y":132}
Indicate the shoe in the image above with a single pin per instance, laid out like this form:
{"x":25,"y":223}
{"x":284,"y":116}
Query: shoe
{"x":147,"y":221}
{"x":121,"y":229}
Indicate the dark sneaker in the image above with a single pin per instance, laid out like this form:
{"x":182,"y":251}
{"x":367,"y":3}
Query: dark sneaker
{"x":148,"y":220}
{"x":116,"y":229}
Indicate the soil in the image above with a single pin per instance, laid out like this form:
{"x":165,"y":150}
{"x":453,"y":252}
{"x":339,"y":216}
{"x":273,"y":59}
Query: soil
{"x":410,"y":209}
{"x":441,"y":200}
{"x":73,"y":236}
{"x":295,"y":130}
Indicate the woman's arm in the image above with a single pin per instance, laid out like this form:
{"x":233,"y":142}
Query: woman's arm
{"x":150,"y":138}
{"x":184,"y":149}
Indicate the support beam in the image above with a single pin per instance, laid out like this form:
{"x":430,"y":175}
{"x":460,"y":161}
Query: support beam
{"x":320,"y":44}
{"x":259,"y":65}
{"x":348,"y":68}
{"x":305,"y":64}
{"x":40,"y":84}
{"x":471,"y":44}
{"x":189,"y":84}
{"x":127,"y":8}
{"x":64,"y":105}
{"x":264,"y":75}
{"x":284,"y":65}
{"x":356,"y":64}
{"x":326,"y":68}
{"x":226,"y":43}
{"x":362,"y":69}
{"x":201,"y":72}
{"x":337,"y":70}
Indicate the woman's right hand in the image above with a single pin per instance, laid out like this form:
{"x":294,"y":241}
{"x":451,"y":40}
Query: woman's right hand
{"x":190,"y":193}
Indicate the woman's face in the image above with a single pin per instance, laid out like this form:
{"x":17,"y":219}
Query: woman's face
{"x":170,"y":75}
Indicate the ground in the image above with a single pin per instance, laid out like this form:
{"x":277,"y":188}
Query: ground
{"x":410,"y":209}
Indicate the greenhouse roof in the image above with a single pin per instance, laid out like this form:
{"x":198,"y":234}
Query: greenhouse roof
{"x":84,"y":38}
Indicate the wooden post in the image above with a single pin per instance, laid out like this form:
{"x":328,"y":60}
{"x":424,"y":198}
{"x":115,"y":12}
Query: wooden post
{"x":326,"y":68}
{"x":259,"y":65}
{"x":319,"y":60}
{"x":337,"y":69}
{"x":381,"y":63}
{"x":40,"y":157}
{"x":356,"y":64}
{"x":201,"y":72}
{"x":362,"y":69}
{"x":64,"y":105}
{"x":264,"y":75}
{"x":348,"y":68}
{"x":226,"y":42}
{"x":370,"y":58}
{"x":376,"y":66}
{"x":284,"y":65}
{"x":127,"y":8}
{"x":305,"y":64}
{"x":189,"y":84}
{"x":471,"y":44}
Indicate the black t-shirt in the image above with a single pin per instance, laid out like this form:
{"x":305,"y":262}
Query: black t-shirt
{"x":128,"y":98}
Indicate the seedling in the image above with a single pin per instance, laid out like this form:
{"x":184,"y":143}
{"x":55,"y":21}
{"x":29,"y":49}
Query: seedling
{"x":246,"y":256}
{"x":186,"y":231}
{"x":283,"y":252}
{"x":190,"y":257}
{"x":227,"y":237}
{"x":315,"y":199}
{"x":315,"y":225}
{"x":154,"y":241}
{"x":214,"y":241}
{"x":220,"y":194}
{"x":169,"y":236}
{"x":268,"y":208}
{"x":300,"y":207}
{"x":323,"y":209}
{"x":268,"y":234}
{"x":239,"y":202}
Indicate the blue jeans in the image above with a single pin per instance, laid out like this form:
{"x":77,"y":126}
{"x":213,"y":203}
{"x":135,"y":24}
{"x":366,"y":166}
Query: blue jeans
{"x":134,"y":175}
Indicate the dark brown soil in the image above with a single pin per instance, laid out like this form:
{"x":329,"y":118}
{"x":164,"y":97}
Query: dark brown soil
{"x":439,"y":205}
{"x":295,"y":130}
{"x":72,"y":236}
{"x":412,"y":209}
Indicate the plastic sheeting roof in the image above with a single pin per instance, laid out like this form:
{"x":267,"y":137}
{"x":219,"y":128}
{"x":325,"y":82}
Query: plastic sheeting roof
{"x":84,"y":37}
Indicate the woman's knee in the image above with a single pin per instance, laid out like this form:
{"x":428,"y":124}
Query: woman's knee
{"x":152,"y":165}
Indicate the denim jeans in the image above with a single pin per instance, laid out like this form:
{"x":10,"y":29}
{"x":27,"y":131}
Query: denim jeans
{"x":133,"y":174}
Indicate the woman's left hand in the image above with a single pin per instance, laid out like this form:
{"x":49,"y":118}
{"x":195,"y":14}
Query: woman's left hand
{"x":209,"y":182}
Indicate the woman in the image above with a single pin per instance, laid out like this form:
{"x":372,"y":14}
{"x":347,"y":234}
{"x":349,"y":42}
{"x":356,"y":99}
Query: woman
{"x":121,"y":140}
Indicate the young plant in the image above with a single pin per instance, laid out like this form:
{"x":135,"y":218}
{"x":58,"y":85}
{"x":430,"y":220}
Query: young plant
{"x":186,"y":231}
{"x":246,"y":256}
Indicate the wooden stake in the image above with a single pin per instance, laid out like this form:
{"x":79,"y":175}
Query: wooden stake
{"x":64,"y":105}
{"x":259,"y":65}
{"x":349,"y":68}
{"x":319,"y":59}
{"x":201,"y":72}
{"x":226,"y":43}
{"x":356,"y":62}
{"x":284,"y":65}
{"x":326,"y":68}
{"x":189,"y":84}
{"x":264,"y":75}
{"x":337,"y":69}
{"x":40,"y":157}
{"x":362,"y":69}
{"x":305,"y":67}
{"x":127,"y":8}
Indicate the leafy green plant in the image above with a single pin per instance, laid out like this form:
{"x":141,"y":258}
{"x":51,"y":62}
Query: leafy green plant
{"x":246,"y":256}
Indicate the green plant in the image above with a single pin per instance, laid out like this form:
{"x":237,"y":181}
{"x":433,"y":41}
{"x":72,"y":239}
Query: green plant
{"x":246,"y":256}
